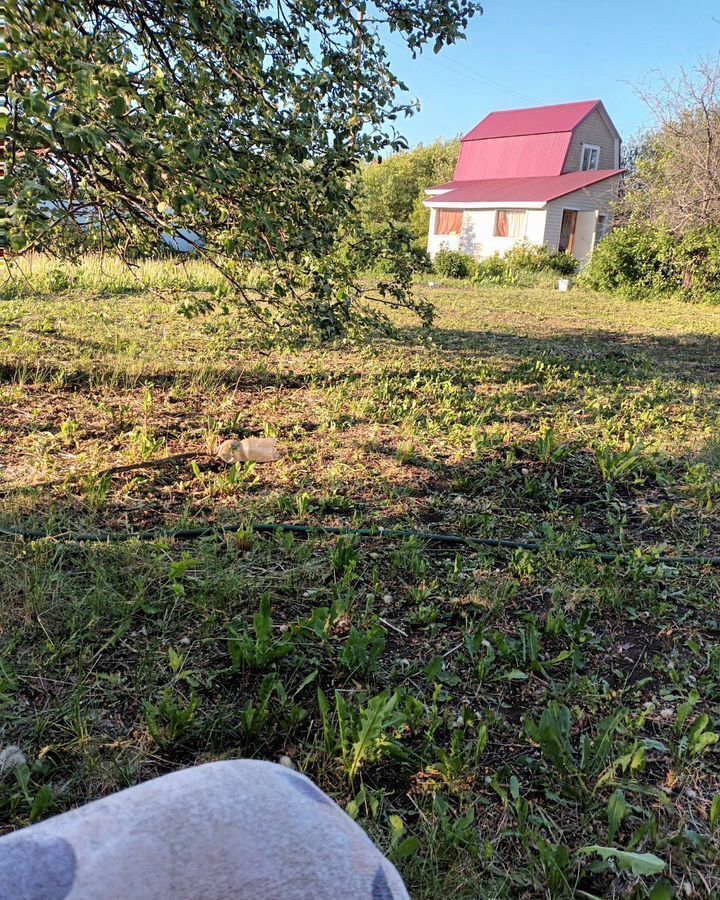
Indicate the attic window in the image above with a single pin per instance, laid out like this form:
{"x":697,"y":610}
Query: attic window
{"x":510,"y":223}
{"x":448,"y":221}
{"x":590,"y":158}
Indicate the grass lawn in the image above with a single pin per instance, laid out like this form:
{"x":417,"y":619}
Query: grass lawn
{"x":489,"y":717}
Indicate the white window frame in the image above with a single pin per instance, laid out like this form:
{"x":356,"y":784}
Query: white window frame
{"x":506,"y":209}
{"x":601,"y":228}
{"x":597,"y":158}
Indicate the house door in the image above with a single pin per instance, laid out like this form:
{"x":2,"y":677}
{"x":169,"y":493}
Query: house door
{"x":567,"y":231}
{"x":585,"y":235}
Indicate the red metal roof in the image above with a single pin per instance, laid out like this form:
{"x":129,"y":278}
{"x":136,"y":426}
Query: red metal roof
{"x":513,"y":157}
{"x":539,"y":189}
{"x":538,"y":120}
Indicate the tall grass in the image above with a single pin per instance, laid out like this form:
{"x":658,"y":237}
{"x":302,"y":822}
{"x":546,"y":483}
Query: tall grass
{"x":43,"y":276}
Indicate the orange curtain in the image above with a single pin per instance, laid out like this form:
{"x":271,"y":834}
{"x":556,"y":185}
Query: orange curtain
{"x":501,"y":224}
{"x":448,"y":221}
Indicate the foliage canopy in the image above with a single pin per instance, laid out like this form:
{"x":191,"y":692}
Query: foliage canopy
{"x":238,"y":125}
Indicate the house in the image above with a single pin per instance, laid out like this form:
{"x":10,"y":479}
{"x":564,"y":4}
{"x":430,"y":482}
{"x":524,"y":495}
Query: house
{"x":546,"y":175}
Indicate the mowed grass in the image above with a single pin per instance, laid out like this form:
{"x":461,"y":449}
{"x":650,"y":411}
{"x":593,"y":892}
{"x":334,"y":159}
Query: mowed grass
{"x":489,"y":717}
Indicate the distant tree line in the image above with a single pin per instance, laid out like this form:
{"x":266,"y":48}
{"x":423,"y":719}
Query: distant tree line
{"x":673,"y":180}
{"x":393,"y":189}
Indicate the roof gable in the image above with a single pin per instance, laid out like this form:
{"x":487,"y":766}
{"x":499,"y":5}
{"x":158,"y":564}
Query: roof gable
{"x":537,"y":120}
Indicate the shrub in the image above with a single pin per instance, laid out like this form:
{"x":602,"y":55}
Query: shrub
{"x":528,"y":257}
{"x":637,"y":260}
{"x":451,"y":264}
{"x":524,"y":259}
{"x":521,"y":264}
{"x":492,"y":270}
{"x":563,"y":263}
{"x":644,"y":261}
{"x":697,"y":259}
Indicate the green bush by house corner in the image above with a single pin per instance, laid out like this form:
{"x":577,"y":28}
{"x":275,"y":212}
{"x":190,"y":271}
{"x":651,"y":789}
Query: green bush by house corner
{"x":642,"y":261}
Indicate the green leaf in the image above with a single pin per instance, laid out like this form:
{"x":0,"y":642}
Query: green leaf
{"x":637,"y":863}
{"x":661,"y":890}
{"x":73,"y":143}
{"x":407,"y":848}
{"x":41,"y":804}
{"x":343,"y":716}
{"x":481,"y":742}
{"x":118,"y":107}
{"x":617,"y":810}
{"x":703,"y":741}
{"x":552,"y":734}
{"x":715,"y":811}
{"x":699,"y":738}
{"x":397,"y":827}
{"x":685,"y":709}
{"x":374,"y":719}
{"x":263,"y":625}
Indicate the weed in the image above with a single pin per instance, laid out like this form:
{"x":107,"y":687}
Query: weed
{"x":143,"y":444}
{"x":172,"y":720}
{"x":261,"y":650}
{"x":621,"y":465}
{"x":362,"y":651}
{"x":368,"y":733}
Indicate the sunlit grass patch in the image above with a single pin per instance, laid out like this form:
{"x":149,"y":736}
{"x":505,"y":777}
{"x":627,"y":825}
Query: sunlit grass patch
{"x":107,"y":275}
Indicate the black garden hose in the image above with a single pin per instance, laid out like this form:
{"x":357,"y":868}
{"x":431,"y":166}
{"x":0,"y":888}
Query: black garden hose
{"x":185,"y":534}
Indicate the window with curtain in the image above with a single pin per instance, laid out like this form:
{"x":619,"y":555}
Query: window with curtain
{"x":510,"y":223}
{"x":448,"y":221}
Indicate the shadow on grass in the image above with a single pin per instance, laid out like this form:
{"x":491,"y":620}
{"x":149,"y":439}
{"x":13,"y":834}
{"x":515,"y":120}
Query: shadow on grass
{"x":74,"y":377}
{"x":381,"y":492}
{"x":490,"y":496}
{"x":606,"y":354}
{"x":612,"y":352}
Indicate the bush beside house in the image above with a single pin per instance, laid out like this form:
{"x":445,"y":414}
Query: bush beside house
{"x":636,"y":262}
{"x":642,"y":261}
{"x":521,"y":263}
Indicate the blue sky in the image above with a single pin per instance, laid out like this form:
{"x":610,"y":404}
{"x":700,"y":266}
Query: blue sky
{"x":532,"y":52}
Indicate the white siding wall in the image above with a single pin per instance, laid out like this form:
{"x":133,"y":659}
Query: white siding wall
{"x":477,"y":238}
{"x":595,"y":131}
{"x":597,"y":196}
{"x":543,"y":225}
{"x":443,"y":242}
{"x":440,"y":241}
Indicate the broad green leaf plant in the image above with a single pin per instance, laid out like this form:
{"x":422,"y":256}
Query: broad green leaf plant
{"x":236,"y":126}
